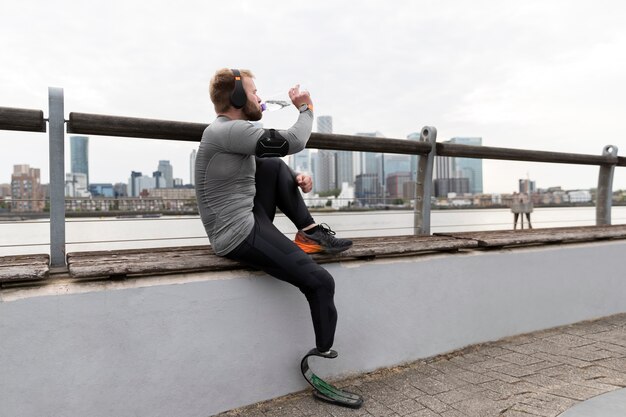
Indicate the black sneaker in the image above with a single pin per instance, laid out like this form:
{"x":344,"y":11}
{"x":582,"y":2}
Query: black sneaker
{"x":323,"y":240}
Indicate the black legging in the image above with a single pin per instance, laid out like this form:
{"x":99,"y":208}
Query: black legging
{"x":266,"y":248}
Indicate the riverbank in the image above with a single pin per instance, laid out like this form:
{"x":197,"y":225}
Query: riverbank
{"x":8,"y":216}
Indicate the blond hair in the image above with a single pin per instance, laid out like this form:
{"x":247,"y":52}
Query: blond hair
{"x":222,"y":85}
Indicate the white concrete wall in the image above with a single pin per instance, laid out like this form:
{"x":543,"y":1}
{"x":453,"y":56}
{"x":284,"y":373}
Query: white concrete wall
{"x":195,"y":345}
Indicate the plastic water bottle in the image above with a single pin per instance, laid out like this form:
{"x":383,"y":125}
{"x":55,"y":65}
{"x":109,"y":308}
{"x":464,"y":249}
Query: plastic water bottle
{"x":278,"y":101}
{"x":273,"y":105}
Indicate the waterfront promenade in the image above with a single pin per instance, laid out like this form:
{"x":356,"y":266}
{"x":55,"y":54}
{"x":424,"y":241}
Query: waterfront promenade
{"x":537,"y":374}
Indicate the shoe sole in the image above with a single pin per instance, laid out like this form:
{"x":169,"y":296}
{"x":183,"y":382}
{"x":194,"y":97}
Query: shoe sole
{"x":312,"y":248}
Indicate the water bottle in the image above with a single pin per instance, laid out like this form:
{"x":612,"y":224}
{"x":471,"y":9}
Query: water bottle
{"x":273,"y":105}
{"x":277,"y":101}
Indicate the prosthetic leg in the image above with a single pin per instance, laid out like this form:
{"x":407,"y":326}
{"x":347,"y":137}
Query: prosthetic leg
{"x":325,"y":391}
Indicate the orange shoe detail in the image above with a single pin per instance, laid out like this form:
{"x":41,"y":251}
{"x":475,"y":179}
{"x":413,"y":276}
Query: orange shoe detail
{"x":309,"y":248}
{"x":307,"y":245}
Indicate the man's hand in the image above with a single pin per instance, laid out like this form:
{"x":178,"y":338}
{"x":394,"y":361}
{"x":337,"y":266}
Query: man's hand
{"x":305,"y":182}
{"x":298,"y":98}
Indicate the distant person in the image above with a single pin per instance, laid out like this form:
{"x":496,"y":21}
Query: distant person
{"x":241,"y":180}
{"x":521,"y":205}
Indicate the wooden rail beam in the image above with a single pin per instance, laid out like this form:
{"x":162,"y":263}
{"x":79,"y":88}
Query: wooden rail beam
{"x":25,"y":120}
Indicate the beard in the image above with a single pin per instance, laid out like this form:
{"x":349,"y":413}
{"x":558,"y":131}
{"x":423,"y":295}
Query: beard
{"x":252,"y":112}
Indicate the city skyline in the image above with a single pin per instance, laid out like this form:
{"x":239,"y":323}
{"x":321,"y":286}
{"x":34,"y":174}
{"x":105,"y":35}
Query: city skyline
{"x":305,"y":161}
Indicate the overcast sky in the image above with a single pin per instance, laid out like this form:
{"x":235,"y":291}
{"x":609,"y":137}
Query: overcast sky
{"x":545,"y":75}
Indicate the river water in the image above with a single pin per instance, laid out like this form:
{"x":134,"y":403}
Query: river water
{"x":23,"y":237}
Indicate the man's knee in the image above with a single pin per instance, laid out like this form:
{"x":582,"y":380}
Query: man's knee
{"x":324,"y":281}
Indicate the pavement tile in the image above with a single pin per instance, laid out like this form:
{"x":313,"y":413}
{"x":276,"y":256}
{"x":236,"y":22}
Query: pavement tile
{"x":479,"y":407}
{"x":548,"y":401}
{"x":377,"y":409}
{"x":514,"y":413}
{"x":588,"y":353}
{"x":433,"y":404}
{"x":545,"y":382}
{"x":617,"y":350}
{"x":575,"y":392}
{"x":525,"y":349}
{"x":505,"y":391}
{"x":502,"y":377}
{"x":454,"y":396}
{"x":561,"y":359}
{"x":520,"y":359}
{"x":529,"y":410}
{"x":494,"y":351}
{"x":425,"y":412}
{"x":618,"y":364}
{"x":568,"y":340}
{"x":432,"y":386}
{"x":445,"y":367}
{"x":474,"y":377}
{"x":451,"y":380}
{"x":349,"y":412}
{"x":453,"y":413}
{"x":406,"y":407}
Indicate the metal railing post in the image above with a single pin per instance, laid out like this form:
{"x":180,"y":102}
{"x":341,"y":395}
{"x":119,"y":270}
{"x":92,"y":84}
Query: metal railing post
{"x":424,"y":183}
{"x":56,"y":123}
{"x":604,"y":197}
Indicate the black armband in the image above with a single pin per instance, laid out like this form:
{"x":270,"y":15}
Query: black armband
{"x":271,"y":144}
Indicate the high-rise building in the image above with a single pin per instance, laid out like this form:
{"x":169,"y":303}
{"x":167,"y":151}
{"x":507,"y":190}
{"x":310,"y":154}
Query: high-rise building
{"x":26,"y":192}
{"x":471,"y":168}
{"x":102,"y":190}
{"x":79,"y":153}
{"x":367,"y":189}
{"x":445,"y":186}
{"x":5,"y":190}
{"x":324,"y":124}
{"x":324,"y":175}
{"x":414,"y":158}
{"x":367,"y":162}
{"x":452,"y":170}
{"x":76,"y":185}
{"x":301,"y":161}
{"x":167,"y":174}
{"x":120,"y":190}
{"x":527,"y":186}
{"x":192,"y":167}
{"x":344,"y":170}
{"x":397,"y":163}
{"x":395,"y":185}
{"x":159,"y":180}
{"x":133,"y":184}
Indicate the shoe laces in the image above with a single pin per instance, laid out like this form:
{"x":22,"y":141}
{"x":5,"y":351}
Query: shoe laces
{"x":326,"y":229}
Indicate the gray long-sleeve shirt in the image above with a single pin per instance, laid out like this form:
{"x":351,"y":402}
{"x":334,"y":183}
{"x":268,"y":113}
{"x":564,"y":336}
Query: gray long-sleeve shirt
{"x":224,"y":173}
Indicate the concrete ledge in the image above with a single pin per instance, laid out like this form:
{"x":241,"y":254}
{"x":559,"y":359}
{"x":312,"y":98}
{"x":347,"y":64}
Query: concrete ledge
{"x":197,"y":344}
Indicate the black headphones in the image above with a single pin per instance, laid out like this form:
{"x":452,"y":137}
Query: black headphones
{"x":238,"y":97}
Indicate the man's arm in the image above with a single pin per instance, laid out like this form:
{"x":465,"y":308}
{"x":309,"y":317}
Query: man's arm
{"x":244,"y":138}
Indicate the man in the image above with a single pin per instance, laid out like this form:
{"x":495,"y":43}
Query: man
{"x":240,"y":181}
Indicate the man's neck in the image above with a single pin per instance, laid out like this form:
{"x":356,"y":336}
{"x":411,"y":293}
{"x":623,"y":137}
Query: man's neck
{"x":233,"y":114}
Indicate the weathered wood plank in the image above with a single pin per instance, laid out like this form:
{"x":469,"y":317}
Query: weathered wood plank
{"x":498,"y":238}
{"x":22,"y":119}
{"x":24,"y":268}
{"x":202,"y":258}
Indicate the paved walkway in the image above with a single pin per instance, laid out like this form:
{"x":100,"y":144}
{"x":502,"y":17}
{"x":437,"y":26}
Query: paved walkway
{"x":538,"y":374}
